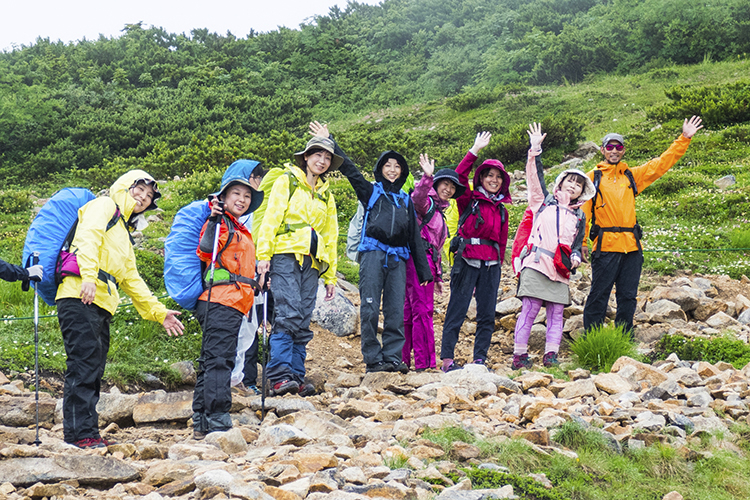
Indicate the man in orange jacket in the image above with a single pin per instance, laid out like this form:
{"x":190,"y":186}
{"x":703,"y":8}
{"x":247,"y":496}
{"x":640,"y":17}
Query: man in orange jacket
{"x":617,"y":256}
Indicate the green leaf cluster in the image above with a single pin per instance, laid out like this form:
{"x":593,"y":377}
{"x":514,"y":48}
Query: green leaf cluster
{"x":727,"y":349}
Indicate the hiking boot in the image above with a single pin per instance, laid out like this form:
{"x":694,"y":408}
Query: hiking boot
{"x":199,"y":435}
{"x":380,"y":366}
{"x":399,"y":366}
{"x":87,"y":443}
{"x":550,"y":359}
{"x":477,"y":362}
{"x":284,"y":387}
{"x":241,"y":390}
{"x":306,"y":389}
{"x":521,"y":361}
{"x":451,"y":367}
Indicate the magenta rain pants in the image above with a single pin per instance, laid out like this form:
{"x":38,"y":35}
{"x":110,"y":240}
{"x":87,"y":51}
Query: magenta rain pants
{"x":419,"y":332}
{"x":529,"y":310}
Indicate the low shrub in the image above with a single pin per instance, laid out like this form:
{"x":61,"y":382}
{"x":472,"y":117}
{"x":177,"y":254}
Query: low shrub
{"x":727,"y":349}
{"x":602,"y":346}
{"x":524,"y":487}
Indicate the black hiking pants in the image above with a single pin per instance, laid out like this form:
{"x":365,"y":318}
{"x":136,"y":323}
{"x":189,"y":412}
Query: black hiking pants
{"x":212,"y":398}
{"x":621,"y":270}
{"x":85,"y":331}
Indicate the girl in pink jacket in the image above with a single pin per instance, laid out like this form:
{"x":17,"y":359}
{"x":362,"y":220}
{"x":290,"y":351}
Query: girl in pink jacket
{"x":558,"y":222}
{"x":431,"y":197}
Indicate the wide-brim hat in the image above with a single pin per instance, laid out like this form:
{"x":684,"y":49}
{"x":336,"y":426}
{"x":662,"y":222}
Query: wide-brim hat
{"x":319,"y":143}
{"x":451,"y":175}
{"x":228,"y":181}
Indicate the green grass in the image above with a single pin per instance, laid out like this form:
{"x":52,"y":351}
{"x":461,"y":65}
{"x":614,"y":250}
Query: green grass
{"x":598,"y":472}
{"x":602,"y":346}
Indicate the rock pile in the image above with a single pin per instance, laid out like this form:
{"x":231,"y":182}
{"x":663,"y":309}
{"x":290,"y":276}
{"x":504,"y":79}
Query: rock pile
{"x":361,"y":440}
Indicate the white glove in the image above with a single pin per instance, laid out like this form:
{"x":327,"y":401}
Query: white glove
{"x":35,"y":272}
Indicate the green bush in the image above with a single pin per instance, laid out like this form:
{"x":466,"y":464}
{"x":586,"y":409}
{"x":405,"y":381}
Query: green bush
{"x":727,"y":349}
{"x":602,"y":346}
{"x":525,"y":487}
{"x":14,"y":202}
{"x":717,"y":105}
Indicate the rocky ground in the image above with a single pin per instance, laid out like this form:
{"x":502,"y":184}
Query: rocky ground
{"x":343,"y":442}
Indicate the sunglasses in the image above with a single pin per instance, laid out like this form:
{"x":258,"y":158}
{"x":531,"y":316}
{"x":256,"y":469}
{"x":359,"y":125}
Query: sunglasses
{"x":610,"y":147}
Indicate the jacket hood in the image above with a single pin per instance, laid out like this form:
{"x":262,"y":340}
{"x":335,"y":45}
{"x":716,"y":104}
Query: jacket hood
{"x":120,"y":193}
{"x":239,"y":173}
{"x":588,"y":187}
{"x":505,"y":188}
{"x":384,"y":157}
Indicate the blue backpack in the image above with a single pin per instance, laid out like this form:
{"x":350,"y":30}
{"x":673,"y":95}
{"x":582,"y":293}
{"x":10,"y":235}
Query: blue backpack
{"x":52,"y":228}
{"x":182,"y":267}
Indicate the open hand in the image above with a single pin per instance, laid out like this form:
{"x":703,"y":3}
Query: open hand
{"x":535,"y":136}
{"x":691,"y":126}
{"x":482,"y":140}
{"x":428,"y":166}
{"x":172,"y":325}
{"x":318,"y":130}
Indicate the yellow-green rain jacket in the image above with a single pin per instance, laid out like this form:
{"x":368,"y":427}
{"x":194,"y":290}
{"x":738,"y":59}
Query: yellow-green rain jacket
{"x":288,"y":222}
{"x":111,"y":251}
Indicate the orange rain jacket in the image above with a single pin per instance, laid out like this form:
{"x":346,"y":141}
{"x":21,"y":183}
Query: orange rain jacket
{"x":616,"y":204}
{"x":237,"y":258}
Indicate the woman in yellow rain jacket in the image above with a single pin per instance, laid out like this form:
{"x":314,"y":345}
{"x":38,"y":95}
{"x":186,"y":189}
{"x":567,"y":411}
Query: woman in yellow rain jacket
{"x":296,"y":244}
{"x":86,"y":303}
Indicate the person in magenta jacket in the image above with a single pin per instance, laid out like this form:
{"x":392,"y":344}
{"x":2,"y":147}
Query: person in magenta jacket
{"x":480,"y":249}
{"x":431,"y":197}
{"x":557,"y":220}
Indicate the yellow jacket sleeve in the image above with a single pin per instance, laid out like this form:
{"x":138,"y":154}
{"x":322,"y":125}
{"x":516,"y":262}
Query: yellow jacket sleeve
{"x":144,"y":301}
{"x":332,"y":236}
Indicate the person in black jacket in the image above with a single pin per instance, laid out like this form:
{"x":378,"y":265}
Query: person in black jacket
{"x":390,"y":234}
{"x":11,"y":272}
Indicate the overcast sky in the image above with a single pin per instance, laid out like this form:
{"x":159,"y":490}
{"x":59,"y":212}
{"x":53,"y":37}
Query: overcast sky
{"x":22,"y":21}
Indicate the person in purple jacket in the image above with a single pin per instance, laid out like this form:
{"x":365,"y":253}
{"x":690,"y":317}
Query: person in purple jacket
{"x":480,"y":249}
{"x":431,"y":197}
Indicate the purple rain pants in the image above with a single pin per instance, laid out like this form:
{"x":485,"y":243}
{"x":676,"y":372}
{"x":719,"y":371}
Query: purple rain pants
{"x":529,"y":310}
{"x":419,"y":332}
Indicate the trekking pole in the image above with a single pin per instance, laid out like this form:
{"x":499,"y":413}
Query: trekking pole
{"x":264,"y":377}
{"x":34,"y":262}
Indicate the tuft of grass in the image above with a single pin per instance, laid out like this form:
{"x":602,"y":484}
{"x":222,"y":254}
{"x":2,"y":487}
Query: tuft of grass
{"x":575,"y":436}
{"x":397,"y":462}
{"x":446,"y":436}
{"x":602,"y":346}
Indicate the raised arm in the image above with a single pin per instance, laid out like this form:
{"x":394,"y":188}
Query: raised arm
{"x":362,"y":187}
{"x":421,"y":194}
{"x":537,"y":190}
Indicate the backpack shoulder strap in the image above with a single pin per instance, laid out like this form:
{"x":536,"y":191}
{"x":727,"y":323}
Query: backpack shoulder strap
{"x":115,"y":217}
{"x":430,"y":213}
{"x":630,"y":177}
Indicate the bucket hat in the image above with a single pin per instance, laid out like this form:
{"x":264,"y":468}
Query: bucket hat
{"x":321,"y":143}
{"x":451,"y":175}
{"x":229,"y":180}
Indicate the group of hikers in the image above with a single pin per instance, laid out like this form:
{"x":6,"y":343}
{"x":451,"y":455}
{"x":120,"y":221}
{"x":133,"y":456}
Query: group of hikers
{"x":294,"y":244}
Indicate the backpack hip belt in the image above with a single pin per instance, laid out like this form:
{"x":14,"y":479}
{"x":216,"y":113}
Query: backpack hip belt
{"x":538,"y":251}
{"x":224,"y":277}
{"x":636,"y":230}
